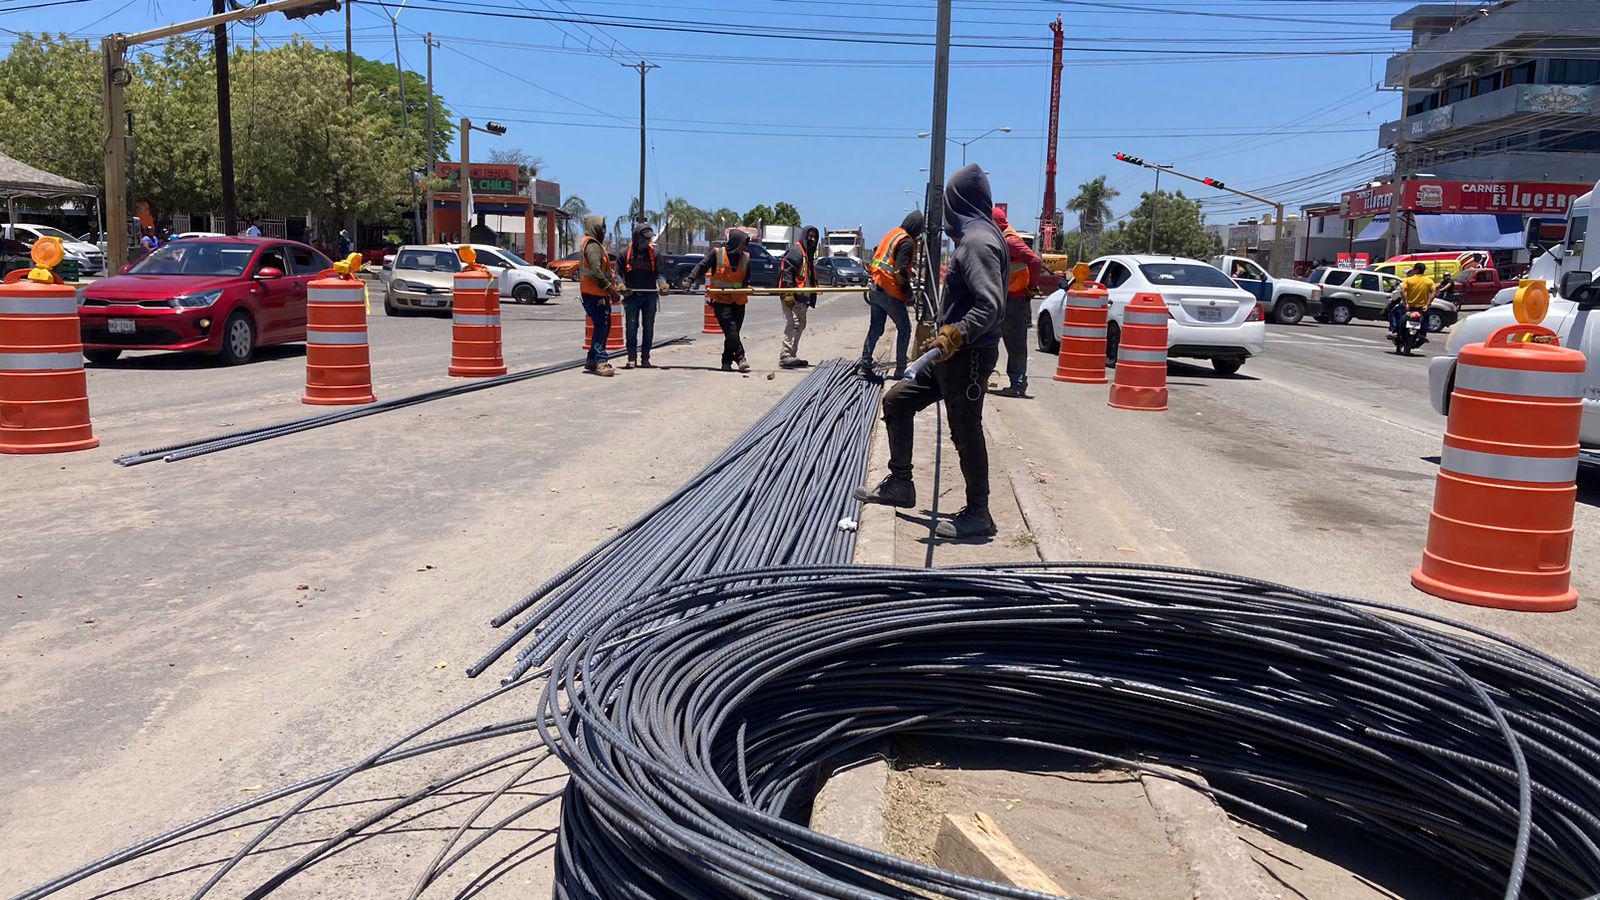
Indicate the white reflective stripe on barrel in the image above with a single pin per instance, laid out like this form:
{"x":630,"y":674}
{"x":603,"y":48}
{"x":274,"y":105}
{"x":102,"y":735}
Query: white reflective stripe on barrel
{"x":40,"y":362}
{"x":1144,"y":318}
{"x":336,"y":337}
{"x":472,"y":282}
{"x":1520,"y":382}
{"x":335,"y":295}
{"x":467,"y":319}
{"x":1087,"y":302}
{"x":39,"y":306}
{"x":1535,"y":469}
{"x":1128,"y":354}
{"x":1075,"y":331}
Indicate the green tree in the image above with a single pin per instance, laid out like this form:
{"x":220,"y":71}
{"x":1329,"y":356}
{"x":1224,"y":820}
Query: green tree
{"x":384,"y":89}
{"x":173,"y":100}
{"x":680,"y":219}
{"x":760,"y":214}
{"x":50,"y":106}
{"x":785,"y":214}
{"x":1093,"y":207}
{"x":1180,"y":229}
{"x":573,"y":209}
{"x":723,"y":219}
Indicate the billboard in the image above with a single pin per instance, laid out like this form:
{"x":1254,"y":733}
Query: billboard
{"x":546,"y":193}
{"x":1429,"y":195}
{"x":1369,"y":201}
{"x":487,"y":178}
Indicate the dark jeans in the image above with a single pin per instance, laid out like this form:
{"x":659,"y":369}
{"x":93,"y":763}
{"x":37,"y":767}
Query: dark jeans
{"x":731,"y":317}
{"x":598,"y":309}
{"x":636,"y":307}
{"x":961,"y":382}
{"x":883,"y":308}
{"x":1014,"y":331}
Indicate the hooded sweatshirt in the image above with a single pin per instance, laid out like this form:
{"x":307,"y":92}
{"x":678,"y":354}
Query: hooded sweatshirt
{"x":1018,"y":251}
{"x":974,"y":299}
{"x":801,"y":257}
{"x":594,"y":253}
{"x":639,"y":266}
{"x":735,"y":245}
{"x":912,"y":224}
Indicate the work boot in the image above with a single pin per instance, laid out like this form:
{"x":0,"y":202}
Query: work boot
{"x":895,"y":490}
{"x":1012,"y":391}
{"x":899,"y":373}
{"x":646,"y":364}
{"x":798,"y":363}
{"x":628,"y":364}
{"x":727,"y":367}
{"x":604,"y":370}
{"x":970,"y":522}
{"x":790,"y":363}
{"x":743,"y":366}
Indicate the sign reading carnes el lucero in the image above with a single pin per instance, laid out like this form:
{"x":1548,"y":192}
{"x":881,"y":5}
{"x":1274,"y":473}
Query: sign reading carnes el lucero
{"x":1426,"y":195}
{"x":487,"y":178}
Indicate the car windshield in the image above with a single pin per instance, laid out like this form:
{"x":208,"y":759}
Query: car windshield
{"x":515,"y":259}
{"x":846,"y":264}
{"x":196,"y":258}
{"x":428,"y":261}
{"x":46,"y":231}
{"x":1187,"y":274}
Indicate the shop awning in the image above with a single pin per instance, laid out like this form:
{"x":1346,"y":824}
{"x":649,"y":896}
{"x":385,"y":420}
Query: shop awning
{"x":1485,"y":231}
{"x":1376,"y":230}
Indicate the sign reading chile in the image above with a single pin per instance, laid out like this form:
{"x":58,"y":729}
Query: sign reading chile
{"x":1431,"y":196}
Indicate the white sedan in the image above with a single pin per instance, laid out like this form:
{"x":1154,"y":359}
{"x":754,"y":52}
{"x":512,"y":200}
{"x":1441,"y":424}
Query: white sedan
{"x":1209,"y":317}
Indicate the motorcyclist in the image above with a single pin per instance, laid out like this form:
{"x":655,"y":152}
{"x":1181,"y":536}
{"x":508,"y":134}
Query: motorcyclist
{"x":1416,"y":292}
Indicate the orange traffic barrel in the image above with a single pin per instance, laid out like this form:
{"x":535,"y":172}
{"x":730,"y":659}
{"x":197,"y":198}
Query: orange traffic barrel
{"x":614,"y":337}
{"x":475,"y":326}
{"x":1141,"y":378}
{"x":711,"y":326}
{"x":44,"y":393}
{"x":338,"y":366}
{"x":1500,"y":533}
{"x":1083,"y":335}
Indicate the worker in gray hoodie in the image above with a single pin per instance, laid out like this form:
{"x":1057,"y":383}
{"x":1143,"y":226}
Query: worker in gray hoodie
{"x":799,"y":269}
{"x":969,"y":315}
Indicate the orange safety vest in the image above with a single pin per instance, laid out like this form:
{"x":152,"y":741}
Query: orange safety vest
{"x":1017,"y":280}
{"x":652,"y":248}
{"x":587,"y":282}
{"x":800,"y":279}
{"x":725,"y":276}
{"x":882,"y":269}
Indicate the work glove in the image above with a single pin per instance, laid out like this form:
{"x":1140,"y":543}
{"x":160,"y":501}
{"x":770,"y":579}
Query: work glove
{"x":947,"y":342}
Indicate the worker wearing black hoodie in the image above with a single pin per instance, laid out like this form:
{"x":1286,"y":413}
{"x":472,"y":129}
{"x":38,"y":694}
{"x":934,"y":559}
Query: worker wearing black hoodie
{"x":890,"y":294}
{"x":799,"y":269}
{"x":642,"y":276}
{"x":968,"y":340}
{"x":727,"y":268}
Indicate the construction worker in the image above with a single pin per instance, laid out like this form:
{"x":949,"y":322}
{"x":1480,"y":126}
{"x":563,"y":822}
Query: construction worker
{"x":889,"y":297}
{"x":597,"y":285}
{"x":1022,"y":282}
{"x":642,"y":277}
{"x":970,"y":311}
{"x":799,"y":269}
{"x":728,"y":268}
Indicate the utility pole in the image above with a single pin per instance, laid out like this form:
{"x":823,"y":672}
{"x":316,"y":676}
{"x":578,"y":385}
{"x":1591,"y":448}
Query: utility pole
{"x":230,"y":211}
{"x":433,"y":148}
{"x":642,"y":68}
{"x":405,"y":121}
{"x":1155,"y":199}
{"x":349,"y":58}
{"x":1047,"y":218}
{"x":464,"y":175}
{"x":1395,"y":236}
{"x":933,"y":204}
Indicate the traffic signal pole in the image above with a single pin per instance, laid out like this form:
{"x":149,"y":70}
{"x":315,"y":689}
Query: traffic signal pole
{"x":1277,"y":265}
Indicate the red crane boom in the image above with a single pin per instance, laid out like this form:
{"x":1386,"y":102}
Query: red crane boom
{"x":1047,"y":218}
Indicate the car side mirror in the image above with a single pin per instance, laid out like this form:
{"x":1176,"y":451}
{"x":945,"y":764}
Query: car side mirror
{"x":1530,"y":233}
{"x":126,"y":268}
{"x":1580,"y":288}
{"x":267,"y":272}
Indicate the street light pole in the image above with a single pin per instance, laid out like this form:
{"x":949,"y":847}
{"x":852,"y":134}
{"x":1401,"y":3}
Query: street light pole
{"x":1006,"y":129}
{"x":933,"y":203}
{"x":1155,"y":196}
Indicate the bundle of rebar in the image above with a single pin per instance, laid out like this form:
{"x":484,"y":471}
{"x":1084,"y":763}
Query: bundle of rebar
{"x":781,"y":494}
{"x":695,"y":718}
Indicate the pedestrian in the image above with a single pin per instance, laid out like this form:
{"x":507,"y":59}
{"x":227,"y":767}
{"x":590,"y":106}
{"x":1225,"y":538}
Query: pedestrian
{"x":598,"y":286}
{"x":1416,"y":292}
{"x":344,"y":243}
{"x":149,"y":242}
{"x":1022,"y":283}
{"x":970,"y":311}
{"x":254,"y":230}
{"x":642,"y":277}
{"x":890,"y":297}
{"x":727,"y":268}
{"x":798,"y":269}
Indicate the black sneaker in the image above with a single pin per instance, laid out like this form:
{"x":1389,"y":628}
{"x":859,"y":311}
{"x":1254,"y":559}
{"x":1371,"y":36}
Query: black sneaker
{"x":968,"y":523}
{"x":891,"y":491}
{"x":727,"y":367}
{"x":1012,"y":391}
{"x":791,"y":363}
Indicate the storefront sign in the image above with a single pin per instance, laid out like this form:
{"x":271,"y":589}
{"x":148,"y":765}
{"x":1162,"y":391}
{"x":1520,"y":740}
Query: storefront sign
{"x":1572,"y":99}
{"x":1515,"y":197}
{"x":1353,"y":260}
{"x":487,"y":178}
{"x":546,"y":193}
{"x":1372,"y":201}
{"x":1431,"y":122}
{"x":1244,"y":236}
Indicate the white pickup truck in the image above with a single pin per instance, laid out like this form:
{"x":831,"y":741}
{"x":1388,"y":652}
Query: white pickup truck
{"x":1282,"y":300}
{"x":1571,"y":270}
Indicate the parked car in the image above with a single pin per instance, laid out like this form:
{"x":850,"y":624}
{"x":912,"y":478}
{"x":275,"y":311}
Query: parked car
{"x":1476,"y":287}
{"x":220,"y":295}
{"x":675,"y":268}
{"x":566,"y":267}
{"x":91,"y":259}
{"x":421,"y":278}
{"x":1350,"y":294}
{"x":837,"y":270}
{"x":1283,"y":300}
{"x":1209,"y":317}
{"x":1448,"y":262}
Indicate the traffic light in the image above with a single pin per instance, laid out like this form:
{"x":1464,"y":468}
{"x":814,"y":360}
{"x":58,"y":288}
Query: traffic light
{"x":1130,"y":160}
{"x":1212,"y":182}
{"x":312,"y":9}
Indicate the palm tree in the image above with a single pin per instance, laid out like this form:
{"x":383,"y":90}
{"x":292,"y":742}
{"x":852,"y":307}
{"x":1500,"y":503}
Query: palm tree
{"x":574,"y":209}
{"x":723,"y":219}
{"x":681,"y":218}
{"x":1093,"y":206}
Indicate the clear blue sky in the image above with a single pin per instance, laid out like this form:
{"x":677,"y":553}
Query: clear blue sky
{"x":831,"y":125}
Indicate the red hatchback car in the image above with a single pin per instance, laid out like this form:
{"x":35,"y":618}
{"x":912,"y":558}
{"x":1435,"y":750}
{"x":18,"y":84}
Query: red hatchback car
{"x":219,"y":295}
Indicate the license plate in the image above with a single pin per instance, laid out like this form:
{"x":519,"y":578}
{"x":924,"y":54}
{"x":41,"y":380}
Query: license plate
{"x":430,"y":301}
{"x":120,"y":326}
{"x":1209,"y":313}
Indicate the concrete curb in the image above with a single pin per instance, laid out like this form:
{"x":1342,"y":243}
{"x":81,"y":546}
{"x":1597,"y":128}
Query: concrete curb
{"x":1219,"y":864}
{"x":1049,"y":540}
{"x":876,"y":525}
{"x":850,"y":804}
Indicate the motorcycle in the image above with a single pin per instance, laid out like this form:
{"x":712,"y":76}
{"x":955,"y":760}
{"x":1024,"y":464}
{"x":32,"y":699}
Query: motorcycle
{"x":1411,"y":334}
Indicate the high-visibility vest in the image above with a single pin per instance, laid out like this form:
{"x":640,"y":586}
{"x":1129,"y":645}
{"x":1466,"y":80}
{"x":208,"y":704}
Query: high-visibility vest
{"x":882,"y":269}
{"x":649,"y":247}
{"x":588,"y":282}
{"x":800,"y":279}
{"x":726,"y":276}
{"x":1017,"y":280}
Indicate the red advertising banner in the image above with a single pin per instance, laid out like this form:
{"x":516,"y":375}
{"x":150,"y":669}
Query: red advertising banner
{"x":1427,"y":195}
{"x":1371,"y":201}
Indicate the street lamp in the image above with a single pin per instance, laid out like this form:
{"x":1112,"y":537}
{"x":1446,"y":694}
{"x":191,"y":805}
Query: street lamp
{"x":916,"y":199}
{"x":465,"y":175}
{"x":1004,"y":129}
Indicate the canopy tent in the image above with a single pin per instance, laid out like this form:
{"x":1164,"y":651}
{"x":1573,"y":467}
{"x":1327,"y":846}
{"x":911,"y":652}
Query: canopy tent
{"x":1375,"y":230}
{"x":1478,"y":231}
{"x":18,"y":179}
